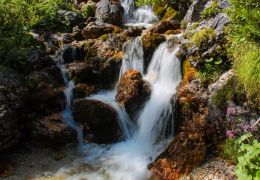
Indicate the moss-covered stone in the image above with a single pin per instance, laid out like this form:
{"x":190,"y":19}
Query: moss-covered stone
{"x":203,"y":37}
{"x":152,"y":40}
{"x":170,"y":13}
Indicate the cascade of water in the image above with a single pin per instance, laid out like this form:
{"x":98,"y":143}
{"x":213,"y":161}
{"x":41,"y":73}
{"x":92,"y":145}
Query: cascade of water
{"x":142,"y":16}
{"x":134,"y":57}
{"x":128,"y":159}
{"x":68,"y":92}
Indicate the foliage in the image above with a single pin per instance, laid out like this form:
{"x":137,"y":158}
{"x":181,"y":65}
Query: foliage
{"x":231,"y":150}
{"x":203,"y":37}
{"x":170,"y":13}
{"x":248,"y":166}
{"x":210,"y":69}
{"x":211,"y":11}
{"x":88,"y":11}
{"x":17,"y":18}
{"x":245,"y":18}
{"x":189,"y":72}
{"x":245,"y":49}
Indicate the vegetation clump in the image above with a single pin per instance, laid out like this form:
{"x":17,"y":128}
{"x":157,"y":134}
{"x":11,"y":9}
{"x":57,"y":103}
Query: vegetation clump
{"x":203,"y":37}
{"x":211,"y":11}
{"x":152,"y":40}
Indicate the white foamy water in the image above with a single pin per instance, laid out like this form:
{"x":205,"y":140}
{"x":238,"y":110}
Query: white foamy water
{"x":138,"y":16}
{"x":134,"y":57}
{"x":144,"y":141}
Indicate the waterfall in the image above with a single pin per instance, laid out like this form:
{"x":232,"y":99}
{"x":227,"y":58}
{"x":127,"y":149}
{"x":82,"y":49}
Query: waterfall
{"x":134,"y":57}
{"x":141,"y":16}
{"x":128,"y":159}
{"x":68,"y":92}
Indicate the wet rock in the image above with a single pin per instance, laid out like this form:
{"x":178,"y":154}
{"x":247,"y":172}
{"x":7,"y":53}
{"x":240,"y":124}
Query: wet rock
{"x":13,"y":94}
{"x":70,"y":53}
{"x":82,"y":90}
{"x":165,"y":25}
{"x":132,"y":91}
{"x":94,"y":30}
{"x":150,"y":42}
{"x":194,"y":11}
{"x":133,"y":31}
{"x":110,"y":12}
{"x":52,"y":129}
{"x":46,"y":95}
{"x":98,"y":119}
{"x":82,"y":73}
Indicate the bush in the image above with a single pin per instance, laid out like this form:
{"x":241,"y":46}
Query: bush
{"x":248,"y":166}
{"x":203,"y":37}
{"x":17,"y":18}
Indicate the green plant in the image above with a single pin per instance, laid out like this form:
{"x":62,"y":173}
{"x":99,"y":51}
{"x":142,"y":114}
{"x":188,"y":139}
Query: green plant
{"x":88,"y":11}
{"x":170,"y":13}
{"x":231,"y":150}
{"x":183,"y":24}
{"x":248,"y":166}
{"x":211,"y":11}
{"x":203,"y":37}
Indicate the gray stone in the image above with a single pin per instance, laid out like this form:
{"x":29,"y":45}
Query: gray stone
{"x":193,"y":14}
{"x":110,"y":12}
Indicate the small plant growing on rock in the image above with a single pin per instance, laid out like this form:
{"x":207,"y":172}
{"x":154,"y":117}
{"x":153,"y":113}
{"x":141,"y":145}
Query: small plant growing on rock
{"x":203,"y":37}
{"x":88,"y":11}
{"x":211,"y":11}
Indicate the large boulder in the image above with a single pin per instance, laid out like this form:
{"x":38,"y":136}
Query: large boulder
{"x":12,"y":97}
{"x":53,"y":130}
{"x":110,"y":12}
{"x":47,"y":96}
{"x":165,"y":25}
{"x":132,"y":91}
{"x":95,"y":30}
{"x":98,"y":120}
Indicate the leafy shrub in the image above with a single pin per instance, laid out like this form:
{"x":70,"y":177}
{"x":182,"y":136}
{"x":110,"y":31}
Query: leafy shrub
{"x":231,"y":150}
{"x":203,"y":37}
{"x":248,"y":166}
{"x":17,"y":18}
{"x":211,"y":11}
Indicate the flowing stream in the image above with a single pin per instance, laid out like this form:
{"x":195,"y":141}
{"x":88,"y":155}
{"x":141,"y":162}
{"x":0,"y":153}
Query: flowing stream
{"x":145,"y":139}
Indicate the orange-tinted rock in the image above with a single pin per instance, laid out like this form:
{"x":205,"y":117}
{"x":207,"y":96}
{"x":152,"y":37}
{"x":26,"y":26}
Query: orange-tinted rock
{"x":132,"y":91}
{"x":188,"y":148}
{"x":52,"y":129}
{"x":165,"y":25}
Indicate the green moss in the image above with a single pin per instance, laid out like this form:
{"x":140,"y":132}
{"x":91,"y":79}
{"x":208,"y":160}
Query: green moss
{"x":151,"y":40}
{"x":103,"y":37}
{"x":203,"y":37}
{"x":183,"y":24}
{"x":159,"y":9}
{"x":211,"y":11}
{"x":170,"y":13}
{"x":224,"y":95}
